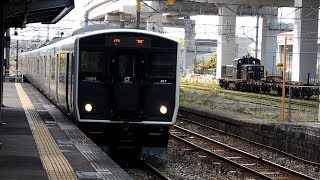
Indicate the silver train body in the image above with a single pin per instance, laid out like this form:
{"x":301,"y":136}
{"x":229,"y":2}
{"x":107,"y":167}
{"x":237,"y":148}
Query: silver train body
{"x":126,"y":81}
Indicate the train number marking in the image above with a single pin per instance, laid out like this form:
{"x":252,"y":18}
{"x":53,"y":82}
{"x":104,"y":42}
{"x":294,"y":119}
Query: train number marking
{"x":163,"y":81}
{"x":91,"y":78}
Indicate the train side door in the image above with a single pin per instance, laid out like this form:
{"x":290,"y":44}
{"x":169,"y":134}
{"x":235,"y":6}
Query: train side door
{"x":126,"y":85}
{"x":62,"y":80}
{"x":49,"y":76}
{"x":69,"y":82}
{"x":53,"y":78}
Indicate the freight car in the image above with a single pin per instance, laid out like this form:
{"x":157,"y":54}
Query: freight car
{"x":247,"y":74}
{"x":126,"y":81}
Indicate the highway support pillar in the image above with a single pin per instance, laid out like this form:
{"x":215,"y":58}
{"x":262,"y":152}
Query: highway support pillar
{"x":305,"y":40}
{"x":189,"y":46}
{"x":270,"y":30}
{"x":226,"y":51}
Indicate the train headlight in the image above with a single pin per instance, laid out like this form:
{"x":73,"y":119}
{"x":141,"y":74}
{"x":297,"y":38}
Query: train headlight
{"x":163,"y":110}
{"x":88,"y":107}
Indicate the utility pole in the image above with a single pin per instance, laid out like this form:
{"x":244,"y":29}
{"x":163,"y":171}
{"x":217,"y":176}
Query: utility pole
{"x":86,"y":18}
{"x":17,"y":56}
{"x":257,"y":38}
{"x":122,"y":22}
{"x":7,"y":46}
{"x":48,"y":28}
{"x":138,"y":9}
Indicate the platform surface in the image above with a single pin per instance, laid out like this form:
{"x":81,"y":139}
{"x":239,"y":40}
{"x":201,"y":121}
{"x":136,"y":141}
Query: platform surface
{"x":38,"y":142}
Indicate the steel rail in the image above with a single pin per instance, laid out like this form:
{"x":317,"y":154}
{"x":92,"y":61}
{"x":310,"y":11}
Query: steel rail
{"x":254,"y":173}
{"x":154,"y":170}
{"x":252,"y":142}
{"x":260,"y":161}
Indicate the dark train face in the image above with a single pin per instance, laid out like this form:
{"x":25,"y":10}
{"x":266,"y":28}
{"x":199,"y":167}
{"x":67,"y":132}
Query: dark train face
{"x":127,"y":77}
{"x":252,"y":72}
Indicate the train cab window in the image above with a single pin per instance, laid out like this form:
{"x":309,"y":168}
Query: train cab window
{"x":92,"y":66}
{"x":53,"y":68}
{"x":162,"y":66}
{"x":126,"y":68}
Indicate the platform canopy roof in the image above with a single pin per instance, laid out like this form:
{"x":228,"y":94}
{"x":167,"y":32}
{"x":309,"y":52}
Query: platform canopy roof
{"x":18,"y":13}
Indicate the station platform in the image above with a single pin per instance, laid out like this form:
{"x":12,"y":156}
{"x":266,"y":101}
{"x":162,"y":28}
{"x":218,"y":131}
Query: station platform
{"x":38,"y":142}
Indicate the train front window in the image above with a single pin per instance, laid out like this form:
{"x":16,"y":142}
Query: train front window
{"x":126,"y":66}
{"x":92,"y":66}
{"x":162,"y":66}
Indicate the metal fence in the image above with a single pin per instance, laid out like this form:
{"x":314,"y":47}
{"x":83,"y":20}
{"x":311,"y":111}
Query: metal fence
{"x":303,"y":104}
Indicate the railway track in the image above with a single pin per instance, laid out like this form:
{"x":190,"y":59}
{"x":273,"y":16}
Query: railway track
{"x":225,"y":137}
{"x":139,"y":168}
{"x":244,"y":161}
{"x":154,"y":170}
{"x":267,"y":100}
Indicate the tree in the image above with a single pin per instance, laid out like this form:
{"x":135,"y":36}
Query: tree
{"x":208,"y":67}
{"x":181,"y":40}
{"x":279,"y":65}
{"x":212,"y":63}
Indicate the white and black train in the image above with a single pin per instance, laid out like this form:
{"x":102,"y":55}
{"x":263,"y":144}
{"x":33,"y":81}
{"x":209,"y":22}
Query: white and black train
{"x":126,"y":81}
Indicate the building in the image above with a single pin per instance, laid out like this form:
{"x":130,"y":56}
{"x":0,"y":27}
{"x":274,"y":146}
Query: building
{"x":280,"y":55}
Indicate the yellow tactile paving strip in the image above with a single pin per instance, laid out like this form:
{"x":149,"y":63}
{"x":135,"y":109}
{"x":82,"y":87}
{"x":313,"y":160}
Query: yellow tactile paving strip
{"x":53,"y":161}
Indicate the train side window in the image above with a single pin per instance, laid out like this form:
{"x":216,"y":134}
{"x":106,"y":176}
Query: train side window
{"x":45,"y":66}
{"x":34,"y":67}
{"x":41,"y":66}
{"x":38,"y":66}
{"x":62,"y":67}
{"x":53,"y":68}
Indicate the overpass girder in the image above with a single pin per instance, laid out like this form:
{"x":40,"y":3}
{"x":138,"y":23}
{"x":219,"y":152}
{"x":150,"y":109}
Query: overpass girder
{"x":276,"y":3}
{"x":181,"y":8}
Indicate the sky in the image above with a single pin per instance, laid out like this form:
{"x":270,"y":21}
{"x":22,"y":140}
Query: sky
{"x":206,"y":26}
{"x":67,"y":25}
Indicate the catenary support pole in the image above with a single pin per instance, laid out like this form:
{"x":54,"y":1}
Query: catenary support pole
{"x":257,"y":38}
{"x":284,"y":80}
{"x":17,"y":61}
{"x":7,"y":48}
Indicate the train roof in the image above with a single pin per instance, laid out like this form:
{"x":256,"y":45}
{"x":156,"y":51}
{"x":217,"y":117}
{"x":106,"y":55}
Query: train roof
{"x":127,"y":30}
{"x":90,"y":28}
{"x":72,"y":39}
